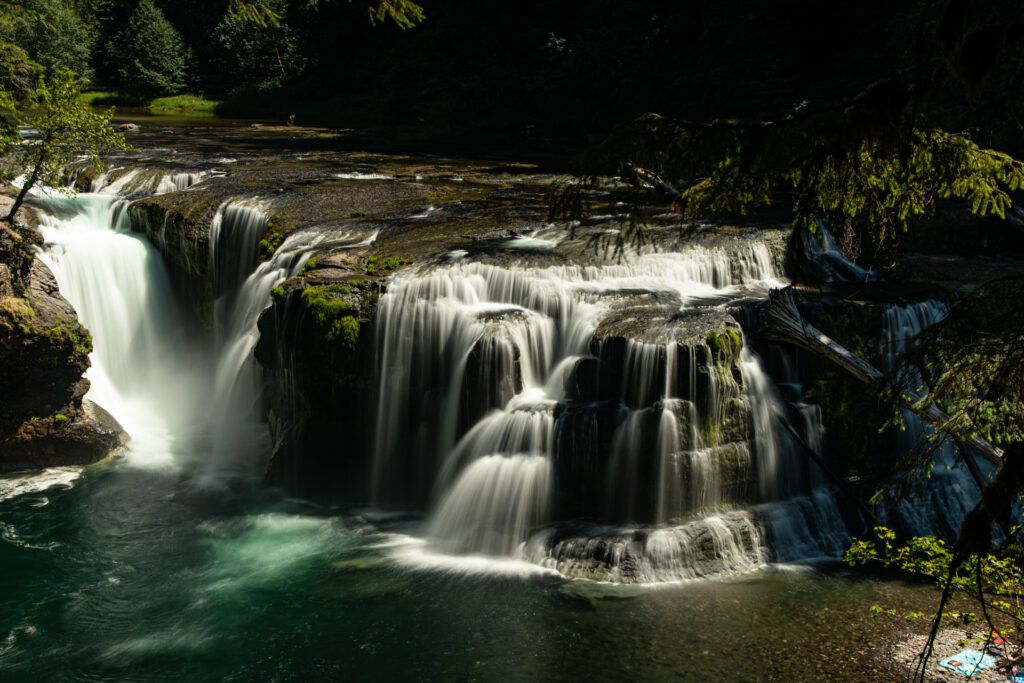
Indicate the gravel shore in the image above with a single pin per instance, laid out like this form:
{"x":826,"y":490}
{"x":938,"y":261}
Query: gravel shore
{"x":905,"y":652}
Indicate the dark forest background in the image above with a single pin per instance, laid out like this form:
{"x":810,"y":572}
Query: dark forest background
{"x":536,"y":69}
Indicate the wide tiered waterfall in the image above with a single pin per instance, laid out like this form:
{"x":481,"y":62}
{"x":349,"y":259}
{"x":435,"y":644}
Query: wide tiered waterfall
{"x":511,"y":398}
{"x":606,"y":421}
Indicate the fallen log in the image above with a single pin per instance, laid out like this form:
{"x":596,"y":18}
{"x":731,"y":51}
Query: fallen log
{"x":781,"y":321}
{"x":656,"y":181}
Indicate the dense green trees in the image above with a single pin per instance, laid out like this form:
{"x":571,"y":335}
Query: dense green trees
{"x":151,"y":58}
{"x":254,"y":57}
{"x":58,"y":35}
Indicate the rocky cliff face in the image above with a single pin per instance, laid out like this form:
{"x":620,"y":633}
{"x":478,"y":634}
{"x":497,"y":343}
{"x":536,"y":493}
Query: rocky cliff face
{"x":44,"y":352}
{"x":178,"y":224}
{"x":317,"y":347}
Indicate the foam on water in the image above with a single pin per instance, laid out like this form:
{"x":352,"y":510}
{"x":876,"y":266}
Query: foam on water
{"x":15,"y":485}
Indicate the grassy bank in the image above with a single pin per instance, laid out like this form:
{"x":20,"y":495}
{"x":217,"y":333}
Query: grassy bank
{"x":367,"y":123}
{"x":176,"y":103}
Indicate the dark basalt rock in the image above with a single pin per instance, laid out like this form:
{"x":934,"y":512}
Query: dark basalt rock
{"x":319,"y":397}
{"x":43,"y":354}
{"x":76,"y":436}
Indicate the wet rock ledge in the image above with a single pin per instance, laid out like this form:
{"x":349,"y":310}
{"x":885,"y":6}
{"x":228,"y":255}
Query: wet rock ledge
{"x":44,"y":351}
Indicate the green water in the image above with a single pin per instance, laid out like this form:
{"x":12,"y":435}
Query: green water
{"x":152,"y":575}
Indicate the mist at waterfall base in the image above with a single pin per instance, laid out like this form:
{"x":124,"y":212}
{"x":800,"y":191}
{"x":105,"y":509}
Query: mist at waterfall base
{"x":176,"y":564}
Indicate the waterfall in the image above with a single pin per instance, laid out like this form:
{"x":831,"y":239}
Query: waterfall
{"x":496,"y":502}
{"x":478,"y":365}
{"x":181,"y":396}
{"x":177,"y":182}
{"x":239,"y":431}
{"x":427,"y":329}
{"x":800,"y":515}
{"x":808,"y":527}
{"x":143,"y":181}
{"x":784,"y":470}
{"x":950,"y":492}
{"x":828,"y":260}
{"x":235,"y":233}
{"x":145,"y":370}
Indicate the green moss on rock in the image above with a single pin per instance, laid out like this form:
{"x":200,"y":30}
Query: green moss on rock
{"x":334,"y":311}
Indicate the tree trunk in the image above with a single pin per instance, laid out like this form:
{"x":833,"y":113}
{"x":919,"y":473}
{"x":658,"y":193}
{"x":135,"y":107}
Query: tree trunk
{"x":21,"y":197}
{"x":44,"y":146}
{"x":781,"y":321}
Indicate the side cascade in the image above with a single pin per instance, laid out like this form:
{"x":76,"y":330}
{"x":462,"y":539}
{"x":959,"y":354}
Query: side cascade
{"x":243,"y":292}
{"x":182,"y":396}
{"x":951,"y":492}
{"x":811,"y":526}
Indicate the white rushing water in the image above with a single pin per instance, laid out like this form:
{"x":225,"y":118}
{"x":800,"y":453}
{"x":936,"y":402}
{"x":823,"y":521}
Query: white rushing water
{"x":145,"y":370}
{"x":181,"y":395}
{"x":476,"y":363}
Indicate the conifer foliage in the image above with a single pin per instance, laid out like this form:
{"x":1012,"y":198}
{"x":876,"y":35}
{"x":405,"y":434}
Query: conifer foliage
{"x":152,"y":60}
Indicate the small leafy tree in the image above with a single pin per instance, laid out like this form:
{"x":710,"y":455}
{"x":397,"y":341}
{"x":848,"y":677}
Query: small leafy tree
{"x":994,"y":580}
{"x":66,"y":129}
{"x":152,"y":60}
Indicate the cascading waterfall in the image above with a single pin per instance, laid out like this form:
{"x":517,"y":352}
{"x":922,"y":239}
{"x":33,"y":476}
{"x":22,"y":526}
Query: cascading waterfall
{"x":475,"y":366}
{"x":428,"y":328}
{"x":484,"y":374}
{"x":480,"y":395}
{"x":145,"y":371}
{"x":178,"y":182}
{"x":235,"y":233}
{"x":239,"y":296}
{"x":825,"y":256}
{"x":951,"y":492}
{"x":801,"y":517}
{"x":807,"y":527}
{"x":239,"y":432}
{"x":143,"y":181}
{"x":178,"y":397}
